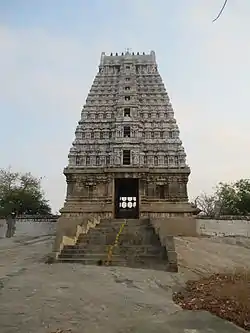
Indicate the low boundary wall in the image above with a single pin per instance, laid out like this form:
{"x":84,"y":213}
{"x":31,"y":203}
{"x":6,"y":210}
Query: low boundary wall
{"x":226,"y":226}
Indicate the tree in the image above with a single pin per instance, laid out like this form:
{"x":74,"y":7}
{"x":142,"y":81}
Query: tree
{"x":206,"y":204}
{"x":228,"y":199}
{"x":21,"y":193}
{"x":234,"y":199}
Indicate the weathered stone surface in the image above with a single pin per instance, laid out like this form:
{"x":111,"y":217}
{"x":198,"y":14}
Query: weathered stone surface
{"x":138,"y":246}
{"x":233,"y":226}
{"x":127,"y":159}
{"x":199,"y":256}
{"x":127,"y":110}
{"x":35,"y":297}
{"x":28,"y":228}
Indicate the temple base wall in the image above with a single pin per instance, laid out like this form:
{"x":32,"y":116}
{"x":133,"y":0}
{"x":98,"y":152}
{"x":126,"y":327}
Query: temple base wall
{"x":162,"y":198}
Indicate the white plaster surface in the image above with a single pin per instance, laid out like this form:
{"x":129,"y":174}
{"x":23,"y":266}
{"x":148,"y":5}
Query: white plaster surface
{"x":209,"y":227}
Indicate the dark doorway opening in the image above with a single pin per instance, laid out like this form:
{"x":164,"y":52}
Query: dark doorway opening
{"x":127,"y":198}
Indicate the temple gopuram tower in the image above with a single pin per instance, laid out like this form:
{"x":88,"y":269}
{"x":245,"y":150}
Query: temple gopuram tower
{"x":127,"y":159}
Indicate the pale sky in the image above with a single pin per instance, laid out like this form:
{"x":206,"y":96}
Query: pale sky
{"x":49,"y":53}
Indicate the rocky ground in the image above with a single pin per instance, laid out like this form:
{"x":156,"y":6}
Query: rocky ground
{"x":42,"y":298}
{"x":203,"y":256}
{"x":225,"y":295}
{"x":220,"y":267}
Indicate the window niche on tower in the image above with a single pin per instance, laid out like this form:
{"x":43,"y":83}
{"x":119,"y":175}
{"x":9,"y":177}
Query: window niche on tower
{"x":126,"y":157}
{"x":78,"y":160}
{"x":126,"y":132}
{"x":160,"y":191}
{"x":107,"y":159}
{"x":97,"y":160}
{"x":127,"y":98}
{"x":127,"y":112}
{"x":117,"y":68}
{"x":127,"y":88}
{"x":90,"y":190}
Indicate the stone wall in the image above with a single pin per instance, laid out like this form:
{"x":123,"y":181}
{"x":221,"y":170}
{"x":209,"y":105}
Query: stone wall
{"x":28,"y":227}
{"x":37,"y":218}
{"x":223,"y":227}
{"x":226,"y":226}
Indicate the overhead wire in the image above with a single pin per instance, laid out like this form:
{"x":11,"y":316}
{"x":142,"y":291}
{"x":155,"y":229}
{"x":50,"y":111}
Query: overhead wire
{"x":221,"y":11}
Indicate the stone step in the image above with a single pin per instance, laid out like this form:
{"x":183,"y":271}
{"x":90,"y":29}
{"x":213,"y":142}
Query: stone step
{"x":123,"y":240}
{"x":128,"y":246}
{"x":126,"y":220}
{"x":127,"y":229}
{"x":124,"y":237}
{"x":104,"y":256}
{"x":115,"y":256}
{"x":159,"y":252}
{"x":136,"y":249}
{"x":138,"y":246}
{"x":126,"y":226}
{"x":142,"y":264}
{"x":92,"y":262}
{"x":104,"y":225}
{"x":105,"y":240}
{"x":90,"y":255}
{"x":143,"y":259}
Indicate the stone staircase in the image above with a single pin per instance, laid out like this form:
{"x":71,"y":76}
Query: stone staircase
{"x":138,"y":246}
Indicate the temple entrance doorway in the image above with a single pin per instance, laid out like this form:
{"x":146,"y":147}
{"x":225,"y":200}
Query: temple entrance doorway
{"x":127,"y":198}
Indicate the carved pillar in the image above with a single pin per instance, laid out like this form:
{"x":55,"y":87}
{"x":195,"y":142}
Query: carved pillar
{"x":102,"y":187}
{"x":90,"y":185}
{"x":70,"y":185}
{"x":106,"y":191}
{"x":109,"y":187}
{"x":173,"y":188}
{"x":166,"y":191}
{"x":150,"y":188}
{"x":183,"y":188}
{"x":142,"y":187}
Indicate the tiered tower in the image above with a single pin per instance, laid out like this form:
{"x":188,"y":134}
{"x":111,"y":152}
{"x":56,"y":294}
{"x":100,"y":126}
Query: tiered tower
{"x":127,"y":160}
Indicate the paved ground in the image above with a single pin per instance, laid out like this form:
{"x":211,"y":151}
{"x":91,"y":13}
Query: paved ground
{"x":41,"y":298}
